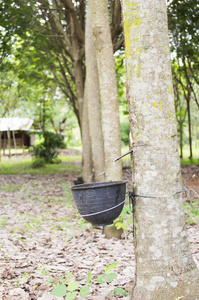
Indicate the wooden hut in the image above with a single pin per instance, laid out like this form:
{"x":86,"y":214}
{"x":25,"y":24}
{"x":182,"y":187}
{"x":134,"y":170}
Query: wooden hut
{"x":16,"y":133}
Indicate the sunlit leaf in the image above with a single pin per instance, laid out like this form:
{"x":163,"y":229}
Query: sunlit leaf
{"x":72,"y":286}
{"x":89,"y":278}
{"x":120,"y":292}
{"x":84,"y":291}
{"x":110,"y":267}
{"x":99,"y":279}
{"x":59,"y":291}
{"x":109,"y":277}
{"x":71,"y":296}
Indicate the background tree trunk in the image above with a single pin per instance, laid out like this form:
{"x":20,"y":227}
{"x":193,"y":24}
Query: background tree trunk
{"x":189,"y":126}
{"x":108,"y":89}
{"x":164,"y":265}
{"x":93,"y":96}
{"x":86,"y":143}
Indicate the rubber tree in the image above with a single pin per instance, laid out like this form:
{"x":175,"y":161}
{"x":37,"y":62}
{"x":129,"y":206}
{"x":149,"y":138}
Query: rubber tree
{"x":87,"y":173}
{"x":93,"y":100}
{"x":108,"y":88}
{"x":165,"y":268}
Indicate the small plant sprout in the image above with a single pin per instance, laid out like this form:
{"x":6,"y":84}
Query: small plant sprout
{"x":43,"y":271}
{"x":23,"y":279}
{"x":122,"y":221}
{"x":108,"y":277}
{"x":3,"y":221}
{"x":71,"y":289}
{"x":119,"y":292}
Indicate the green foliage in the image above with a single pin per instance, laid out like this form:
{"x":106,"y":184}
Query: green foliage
{"x":72,"y":286}
{"x":192,"y":211}
{"x":189,"y":161}
{"x":183,"y":22}
{"x":38,"y":163}
{"x":119,"y":57}
{"x":183,"y":19}
{"x":84,"y":291}
{"x":43,"y":271}
{"x":59,"y":291}
{"x":89,"y":278}
{"x":123,"y":219}
{"x":125,"y":129}
{"x":119,"y":292}
{"x":120,"y":224}
{"x":71,"y":296}
{"x":48,"y":149}
{"x":107,"y":276}
{"x":71,"y":289}
{"x":110,"y":267}
{"x":3,"y":221}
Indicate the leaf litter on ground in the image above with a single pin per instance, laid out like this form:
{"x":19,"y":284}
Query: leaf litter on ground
{"x":44,"y":244}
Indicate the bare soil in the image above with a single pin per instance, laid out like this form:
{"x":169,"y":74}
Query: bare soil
{"x":42,"y":239}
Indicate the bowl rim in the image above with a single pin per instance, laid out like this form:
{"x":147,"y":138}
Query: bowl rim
{"x":93,"y":185}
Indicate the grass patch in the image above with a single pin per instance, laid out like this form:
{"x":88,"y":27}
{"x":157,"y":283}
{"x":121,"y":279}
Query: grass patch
{"x":189,"y":161}
{"x":24,"y":166}
{"x":186,"y":152}
{"x":72,"y":158}
{"x":3,"y":221}
{"x":11,"y":188}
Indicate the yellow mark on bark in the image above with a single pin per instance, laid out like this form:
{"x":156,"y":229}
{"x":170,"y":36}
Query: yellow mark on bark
{"x":127,"y":37}
{"x":138,"y":70}
{"x":131,"y":19}
{"x":159,"y":105}
{"x":136,"y":21}
{"x":169,"y":115}
{"x":170,"y":90}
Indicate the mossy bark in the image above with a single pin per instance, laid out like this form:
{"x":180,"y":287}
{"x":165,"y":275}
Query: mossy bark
{"x":164,"y":265}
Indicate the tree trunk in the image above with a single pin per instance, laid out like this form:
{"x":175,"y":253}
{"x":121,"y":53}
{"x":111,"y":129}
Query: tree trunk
{"x":82,"y":106}
{"x":164,"y":265}
{"x":4,"y":143}
{"x":86,"y":143}
{"x":0,"y":145}
{"x":108,"y":89}
{"x":181,"y":140}
{"x":189,"y":126}
{"x":9,"y":142}
{"x":93,"y":97}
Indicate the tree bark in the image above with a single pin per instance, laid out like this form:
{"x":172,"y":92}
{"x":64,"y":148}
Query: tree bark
{"x":189,"y":126}
{"x":86,"y":143}
{"x":164,"y":265}
{"x":93,"y":96}
{"x":0,"y":145}
{"x":78,"y":70}
{"x":108,"y":89}
{"x":9,"y":143}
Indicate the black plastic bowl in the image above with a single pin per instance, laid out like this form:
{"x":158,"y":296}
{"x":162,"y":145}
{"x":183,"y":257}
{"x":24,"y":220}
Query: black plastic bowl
{"x":93,"y":199}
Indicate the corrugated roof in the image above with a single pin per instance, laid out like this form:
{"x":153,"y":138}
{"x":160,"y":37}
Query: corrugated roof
{"x":15,"y":124}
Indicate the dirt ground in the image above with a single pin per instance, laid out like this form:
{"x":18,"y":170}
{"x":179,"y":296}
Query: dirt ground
{"x":42,"y":239}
